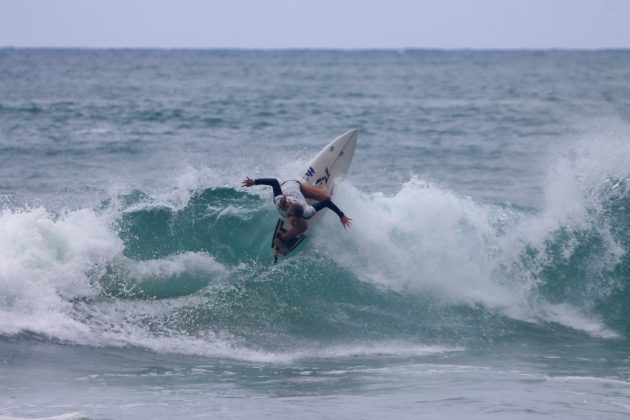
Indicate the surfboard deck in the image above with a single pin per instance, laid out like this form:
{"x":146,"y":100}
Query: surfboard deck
{"x":325,"y":170}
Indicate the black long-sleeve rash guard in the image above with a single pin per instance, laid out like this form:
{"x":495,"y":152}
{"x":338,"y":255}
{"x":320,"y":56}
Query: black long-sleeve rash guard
{"x":277,"y":190}
{"x":272,"y":182}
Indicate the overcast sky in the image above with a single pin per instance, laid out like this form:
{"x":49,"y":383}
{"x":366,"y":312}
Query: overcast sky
{"x":316,"y":23}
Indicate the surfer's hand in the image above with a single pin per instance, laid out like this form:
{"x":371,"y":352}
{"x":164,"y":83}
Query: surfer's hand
{"x":346,"y":221}
{"x":248,"y":182}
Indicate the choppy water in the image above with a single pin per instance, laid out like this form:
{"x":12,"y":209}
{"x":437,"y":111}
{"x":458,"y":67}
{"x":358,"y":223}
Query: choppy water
{"x":485,"y":275}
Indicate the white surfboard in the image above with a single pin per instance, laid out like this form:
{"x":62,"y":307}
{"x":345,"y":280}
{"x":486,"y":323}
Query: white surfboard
{"x":327,"y":169}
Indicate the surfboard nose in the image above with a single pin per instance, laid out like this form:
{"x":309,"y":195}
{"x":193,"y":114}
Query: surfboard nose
{"x":350,"y":135}
{"x":353,"y":134}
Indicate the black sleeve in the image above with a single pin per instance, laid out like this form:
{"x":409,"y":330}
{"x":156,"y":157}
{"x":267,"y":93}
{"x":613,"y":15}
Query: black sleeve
{"x":328,"y":204}
{"x":272,"y":182}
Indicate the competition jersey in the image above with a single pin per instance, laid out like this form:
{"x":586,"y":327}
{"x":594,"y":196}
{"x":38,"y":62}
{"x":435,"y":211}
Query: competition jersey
{"x":291,"y":190}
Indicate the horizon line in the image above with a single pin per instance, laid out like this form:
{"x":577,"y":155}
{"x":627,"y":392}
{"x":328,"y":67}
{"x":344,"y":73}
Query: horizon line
{"x":340,"y":49}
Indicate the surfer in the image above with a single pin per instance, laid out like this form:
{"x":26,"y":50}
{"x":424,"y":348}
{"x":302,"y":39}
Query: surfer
{"x":290,"y":200}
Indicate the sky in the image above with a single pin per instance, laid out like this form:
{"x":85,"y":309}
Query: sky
{"x":345,"y":24}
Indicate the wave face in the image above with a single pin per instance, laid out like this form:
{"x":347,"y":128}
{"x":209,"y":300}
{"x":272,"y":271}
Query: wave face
{"x":489,"y":195}
{"x":422,"y":269}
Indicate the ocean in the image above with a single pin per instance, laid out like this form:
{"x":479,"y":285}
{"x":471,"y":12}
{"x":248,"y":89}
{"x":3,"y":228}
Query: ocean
{"x":486,"y":273}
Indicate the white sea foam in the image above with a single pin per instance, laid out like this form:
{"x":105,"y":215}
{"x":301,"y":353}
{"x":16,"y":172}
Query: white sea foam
{"x":46,"y":261}
{"x":50,"y":264}
{"x":369,"y":349}
{"x":427,"y":239}
{"x":192,"y":263}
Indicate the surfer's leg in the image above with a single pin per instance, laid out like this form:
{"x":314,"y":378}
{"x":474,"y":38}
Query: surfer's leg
{"x":298,"y":227}
{"x":313,"y":192}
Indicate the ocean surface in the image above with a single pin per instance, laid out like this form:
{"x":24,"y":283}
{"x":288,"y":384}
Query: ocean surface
{"x":486,"y":273}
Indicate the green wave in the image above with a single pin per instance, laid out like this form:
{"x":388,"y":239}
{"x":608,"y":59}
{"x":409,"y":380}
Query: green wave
{"x":311,"y":296}
{"x":589,"y":266}
{"x":227,"y":224}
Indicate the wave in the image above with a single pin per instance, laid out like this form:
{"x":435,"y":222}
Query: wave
{"x":424,"y":267}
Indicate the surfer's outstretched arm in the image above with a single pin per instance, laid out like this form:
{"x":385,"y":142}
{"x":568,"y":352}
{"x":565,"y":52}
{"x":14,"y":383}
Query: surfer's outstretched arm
{"x":345,"y":220}
{"x":272,"y":182}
